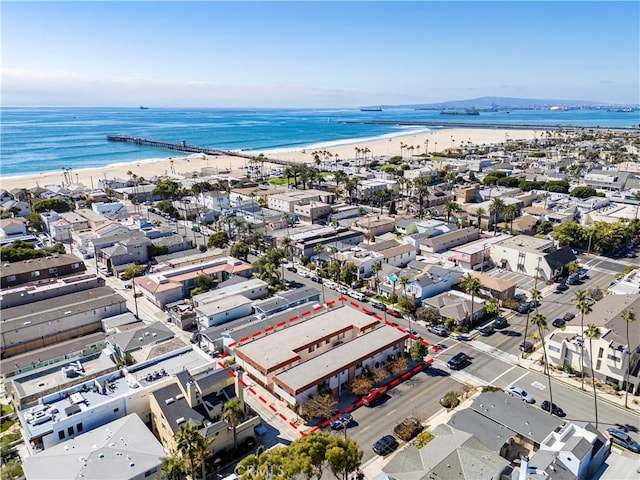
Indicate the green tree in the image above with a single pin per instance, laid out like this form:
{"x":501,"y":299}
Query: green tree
{"x":593,"y":332}
{"x":540,"y":321}
{"x":491,"y":307}
{"x":450,"y":208}
{"x":629,"y":317}
{"x":583,"y":192}
{"x":233,"y":414}
{"x":479,"y":213}
{"x":343,"y":456}
{"x":573,"y":267}
{"x":496,"y":207}
{"x":536,"y":295}
{"x":404,"y":283}
{"x":417,"y":351}
{"x":166,"y":189}
{"x":191,"y":445}
{"x":430,"y":315}
{"x":511,"y":212}
{"x":34,"y":221}
{"x":173,"y":468}
{"x":134,"y":271}
{"x":376,"y":268}
{"x":348,"y":273}
{"x":157,"y":250}
{"x":167,"y":207}
{"x":56,"y":204}
{"x":218,"y":240}
{"x":585,"y":309}
{"x":472,"y":286}
{"x":240,"y":250}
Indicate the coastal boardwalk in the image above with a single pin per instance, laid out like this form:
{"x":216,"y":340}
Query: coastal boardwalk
{"x":184,"y":147}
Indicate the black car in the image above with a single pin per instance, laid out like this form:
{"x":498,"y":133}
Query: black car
{"x":343,"y":421}
{"x":292,"y":269}
{"x":379,"y":306}
{"x":559,"y":323}
{"x":562,"y":287}
{"x":568,"y":316}
{"x":526,"y":346}
{"x":555,"y":410}
{"x":500,"y":322}
{"x":524,"y":307}
{"x":316,"y":279}
{"x":385,"y":445}
{"x":487,"y":330}
{"x":458,"y":361}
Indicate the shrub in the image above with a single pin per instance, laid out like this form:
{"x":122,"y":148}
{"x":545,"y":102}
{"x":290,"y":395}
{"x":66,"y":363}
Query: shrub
{"x":450,"y":400}
{"x":491,"y":388}
{"x":423,"y":438}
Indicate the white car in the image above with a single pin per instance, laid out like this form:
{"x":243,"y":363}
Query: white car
{"x":330,"y":284}
{"x":303,"y":273}
{"x":520,"y":393}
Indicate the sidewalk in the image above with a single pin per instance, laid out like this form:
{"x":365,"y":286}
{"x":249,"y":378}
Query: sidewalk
{"x":574,"y":382}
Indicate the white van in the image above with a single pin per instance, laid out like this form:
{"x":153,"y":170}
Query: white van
{"x":357,"y":295}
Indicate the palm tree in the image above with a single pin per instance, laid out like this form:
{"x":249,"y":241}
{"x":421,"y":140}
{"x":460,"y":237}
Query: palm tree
{"x":190,"y":443}
{"x":350,"y":185}
{"x":233,"y":414}
{"x":628,"y":317}
{"x":479,"y":213}
{"x":497,"y":207}
{"x":404,"y":281}
{"x":535,"y":296}
{"x":376,"y":267}
{"x":540,"y":321}
{"x":472,"y":286}
{"x":585,"y":309}
{"x":593,"y":332}
{"x":339,"y":177}
{"x":510,"y":213}
{"x":173,"y":468}
{"x":421,"y":189}
{"x":451,"y":207}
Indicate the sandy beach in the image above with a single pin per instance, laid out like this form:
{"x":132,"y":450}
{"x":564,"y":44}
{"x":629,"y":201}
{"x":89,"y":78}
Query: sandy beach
{"x":437,"y":140}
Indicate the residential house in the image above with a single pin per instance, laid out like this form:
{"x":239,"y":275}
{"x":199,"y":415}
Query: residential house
{"x":424,"y":172}
{"x":523,"y":225}
{"x":366,"y":189}
{"x":373,"y":225}
{"x":447,"y":241}
{"x":475,"y":255}
{"x":137,"y":194}
{"x":20,"y":209}
{"x":607,"y":180}
{"x":110,"y":209}
{"x":286,"y":202}
{"x":198,"y":400}
{"x":53,"y":320}
{"x":138,"y":455}
{"x":433,"y":280}
{"x":215,"y":200}
{"x":13,"y":227}
{"x":257,"y":195}
{"x":129,"y":251}
{"x":40,"y":270}
{"x":331,"y":349}
{"x":252,"y":289}
{"x":309,"y":243}
{"x":286,"y":300}
{"x":6,"y":196}
{"x":54,"y":287}
{"x":124,"y":343}
{"x":171,"y":285}
{"x":532,"y":256}
{"x":223,"y":310}
{"x":467,"y":193}
{"x":495,"y":287}
{"x":451,"y":455}
{"x":457,"y":306}
{"x":97,"y":401}
{"x":612,"y":354}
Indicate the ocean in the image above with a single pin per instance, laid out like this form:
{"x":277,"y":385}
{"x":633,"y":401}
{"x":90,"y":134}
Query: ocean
{"x":37,"y":140}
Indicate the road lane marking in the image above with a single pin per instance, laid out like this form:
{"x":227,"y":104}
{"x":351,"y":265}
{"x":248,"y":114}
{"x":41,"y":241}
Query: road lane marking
{"x":432,"y":386}
{"x":365,"y":429}
{"x":501,"y":375}
{"x":519,"y":378}
{"x":391,"y":412}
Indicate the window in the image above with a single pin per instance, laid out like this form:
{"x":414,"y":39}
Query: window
{"x":340,"y":336}
{"x":553,"y":349}
{"x":11,"y":278}
{"x":35,"y":273}
{"x":312,"y":348}
{"x":61,"y":434}
{"x":75,"y":266}
{"x":600,"y":352}
{"x":79,"y":427}
{"x":70,"y":430}
{"x":148,"y":473}
{"x":53,"y":270}
{"x":327,"y":341}
{"x":613,"y":357}
{"x":116,"y":410}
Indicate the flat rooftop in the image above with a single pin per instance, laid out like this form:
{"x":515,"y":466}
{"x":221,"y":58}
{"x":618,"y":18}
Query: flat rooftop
{"x":90,"y":394}
{"x":330,"y":363}
{"x":524,"y":242}
{"x":280,"y":347}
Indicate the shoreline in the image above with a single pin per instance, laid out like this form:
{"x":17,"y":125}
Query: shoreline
{"x":182,"y":165}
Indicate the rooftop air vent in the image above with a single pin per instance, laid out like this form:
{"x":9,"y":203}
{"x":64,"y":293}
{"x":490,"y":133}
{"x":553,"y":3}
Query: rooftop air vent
{"x":169,"y":401}
{"x":180,"y":420}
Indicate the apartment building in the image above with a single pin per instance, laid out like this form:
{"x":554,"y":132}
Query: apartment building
{"x":40,"y":270}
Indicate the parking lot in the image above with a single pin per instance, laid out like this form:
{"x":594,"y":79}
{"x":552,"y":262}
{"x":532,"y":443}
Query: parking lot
{"x":523,"y":282}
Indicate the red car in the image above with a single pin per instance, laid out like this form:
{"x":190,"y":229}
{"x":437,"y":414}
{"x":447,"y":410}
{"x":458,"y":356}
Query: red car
{"x":375,"y":394}
{"x":394,"y":313}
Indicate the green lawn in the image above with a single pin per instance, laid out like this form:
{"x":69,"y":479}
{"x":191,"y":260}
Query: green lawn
{"x":5,"y":410}
{"x":278,"y":181}
{"x":6,"y":425}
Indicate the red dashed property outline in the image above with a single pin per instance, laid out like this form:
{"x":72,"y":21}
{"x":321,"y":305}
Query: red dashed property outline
{"x":349,"y":409}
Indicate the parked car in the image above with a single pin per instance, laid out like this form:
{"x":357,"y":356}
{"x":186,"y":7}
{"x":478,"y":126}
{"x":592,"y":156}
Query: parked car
{"x":583,"y":273}
{"x":524,"y":307}
{"x":458,"y":361}
{"x":408,"y":428}
{"x":573,"y":279}
{"x":341,"y":290}
{"x":553,"y":408}
{"x":316,"y":279}
{"x":624,"y":440}
{"x":379,"y":306}
{"x":559,"y":323}
{"x":343,"y":421}
{"x":568,"y":316}
{"x":562,"y":287}
{"x":304,"y":273}
{"x":385,"y":445}
{"x":439,"y":330}
{"x":526,"y":346}
{"x":330,"y":284}
{"x":520,"y":393}
{"x":411,"y":331}
{"x":500,"y":322}
{"x":293,"y":269}
{"x":374,"y":396}
{"x":487,"y":330}
{"x":394,"y":313}
{"x":128,"y":286}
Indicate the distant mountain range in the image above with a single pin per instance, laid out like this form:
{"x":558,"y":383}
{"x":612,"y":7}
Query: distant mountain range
{"x":485,"y":103}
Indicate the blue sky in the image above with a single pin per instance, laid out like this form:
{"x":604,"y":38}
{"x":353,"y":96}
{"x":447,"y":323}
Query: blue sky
{"x":303,"y":54}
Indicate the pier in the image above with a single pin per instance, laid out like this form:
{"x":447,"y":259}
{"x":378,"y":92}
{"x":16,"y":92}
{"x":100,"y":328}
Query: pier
{"x":186,"y":148}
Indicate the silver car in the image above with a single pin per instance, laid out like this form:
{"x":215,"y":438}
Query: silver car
{"x":520,"y":393}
